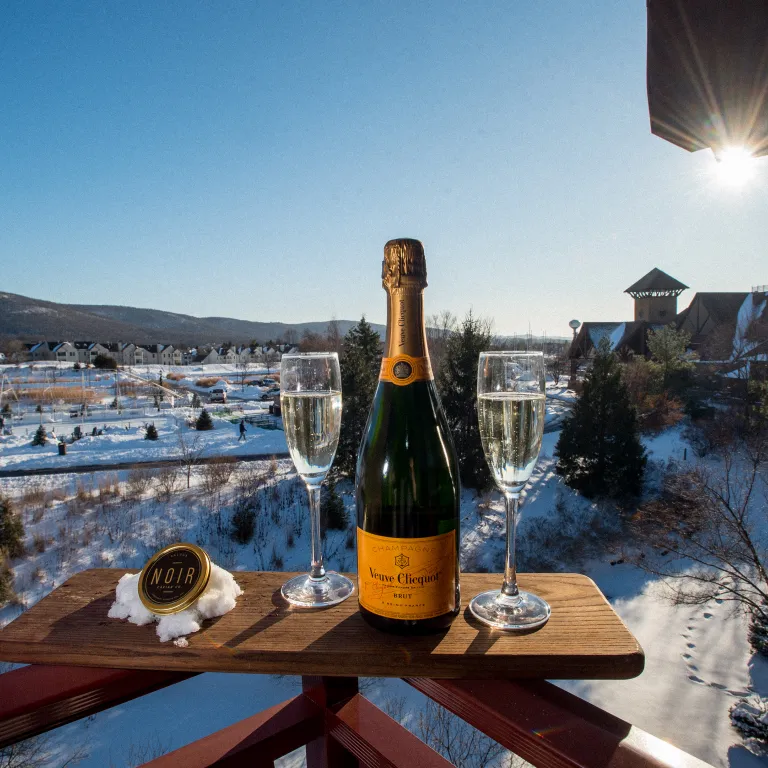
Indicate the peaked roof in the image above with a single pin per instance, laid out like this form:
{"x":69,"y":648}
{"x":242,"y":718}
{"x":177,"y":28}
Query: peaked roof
{"x":656,"y":280}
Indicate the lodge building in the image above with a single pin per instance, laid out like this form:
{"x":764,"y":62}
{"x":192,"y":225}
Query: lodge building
{"x":724,"y":326}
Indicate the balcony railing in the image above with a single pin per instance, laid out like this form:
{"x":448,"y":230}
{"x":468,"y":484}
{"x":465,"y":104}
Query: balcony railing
{"x":536,"y":720}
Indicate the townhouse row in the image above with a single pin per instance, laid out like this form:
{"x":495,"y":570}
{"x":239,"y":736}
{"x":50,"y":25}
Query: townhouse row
{"x":127,"y":353}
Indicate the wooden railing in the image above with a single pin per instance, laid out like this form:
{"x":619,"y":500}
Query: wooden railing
{"x":540,"y":722}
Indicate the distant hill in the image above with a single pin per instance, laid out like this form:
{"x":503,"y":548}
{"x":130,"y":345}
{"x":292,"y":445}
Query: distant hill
{"x":35,"y":320}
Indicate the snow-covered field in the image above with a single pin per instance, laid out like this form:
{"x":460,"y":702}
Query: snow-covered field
{"x":698,"y":662}
{"x":120,"y":431}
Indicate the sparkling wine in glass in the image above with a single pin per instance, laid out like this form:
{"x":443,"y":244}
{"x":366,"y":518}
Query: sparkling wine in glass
{"x":310,"y":400}
{"x":510,"y":409}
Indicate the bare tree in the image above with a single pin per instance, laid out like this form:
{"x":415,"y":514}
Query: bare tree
{"x":191,"y":450}
{"x":440,"y":327}
{"x":460,"y":743}
{"x":708,"y":531}
{"x":557,"y":365}
{"x":333,"y":336}
{"x":37,"y":752}
{"x":242,"y":368}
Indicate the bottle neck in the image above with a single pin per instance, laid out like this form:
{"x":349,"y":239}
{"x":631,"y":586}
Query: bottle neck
{"x":405,"y":323}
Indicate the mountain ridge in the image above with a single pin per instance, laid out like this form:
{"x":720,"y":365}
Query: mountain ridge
{"x":35,"y":319}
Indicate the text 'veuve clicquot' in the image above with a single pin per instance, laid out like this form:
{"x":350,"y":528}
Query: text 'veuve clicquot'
{"x":407,"y":484}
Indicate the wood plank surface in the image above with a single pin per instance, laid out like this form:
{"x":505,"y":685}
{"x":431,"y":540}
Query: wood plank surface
{"x":584,"y":638}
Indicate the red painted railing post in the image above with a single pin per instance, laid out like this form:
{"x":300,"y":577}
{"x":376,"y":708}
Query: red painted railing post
{"x":331,"y":693}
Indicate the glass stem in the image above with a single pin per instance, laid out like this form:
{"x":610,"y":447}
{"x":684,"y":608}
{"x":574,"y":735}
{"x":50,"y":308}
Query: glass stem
{"x":509,"y":588}
{"x":317,"y":572}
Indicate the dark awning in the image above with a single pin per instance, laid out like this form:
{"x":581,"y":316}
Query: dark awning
{"x":708,"y":73}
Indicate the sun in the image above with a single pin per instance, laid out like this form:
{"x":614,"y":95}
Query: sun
{"x":735,"y":167}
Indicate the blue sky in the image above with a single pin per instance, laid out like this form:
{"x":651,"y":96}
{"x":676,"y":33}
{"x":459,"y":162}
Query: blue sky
{"x":251,"y":159}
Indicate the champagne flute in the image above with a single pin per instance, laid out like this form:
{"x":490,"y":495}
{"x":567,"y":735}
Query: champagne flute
{"x":310,"y":399}
{"x":510,"y":408}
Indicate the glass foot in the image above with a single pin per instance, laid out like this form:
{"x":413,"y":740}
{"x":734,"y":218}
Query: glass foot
{"x":307,"y":592}
{"x":524,"y":611}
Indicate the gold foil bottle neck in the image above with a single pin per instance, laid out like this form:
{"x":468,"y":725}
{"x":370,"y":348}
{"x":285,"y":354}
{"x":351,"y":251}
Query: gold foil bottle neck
{"x":404,"y":265}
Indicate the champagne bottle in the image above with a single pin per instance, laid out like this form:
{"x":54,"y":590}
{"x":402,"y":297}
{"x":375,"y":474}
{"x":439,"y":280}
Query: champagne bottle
{"x":407,"y":484}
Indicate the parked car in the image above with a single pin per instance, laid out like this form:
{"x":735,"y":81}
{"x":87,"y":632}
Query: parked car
{"x":218,"y":395}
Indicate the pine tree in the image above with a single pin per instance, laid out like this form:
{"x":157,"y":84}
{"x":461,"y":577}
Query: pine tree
{"x":332,"y":510}
{"x":360,"y":363}
{"x":204,"y":421}
{"x":151,"y":433}
{"x":6,"y":581}
{"x":41,"y":436}
{"x":599,"y":450}
{"x":457,"y":384}
{"x":160,"y":392}
{"x":11,"y":530}
{"x":195,"y":400}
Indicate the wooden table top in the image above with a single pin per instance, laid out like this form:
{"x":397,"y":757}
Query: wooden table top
{"x":583,"y":639}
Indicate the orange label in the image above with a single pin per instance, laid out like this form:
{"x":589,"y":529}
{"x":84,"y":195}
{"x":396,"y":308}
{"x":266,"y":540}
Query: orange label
{"x":404,"y":369}
{"x":407,"y":578}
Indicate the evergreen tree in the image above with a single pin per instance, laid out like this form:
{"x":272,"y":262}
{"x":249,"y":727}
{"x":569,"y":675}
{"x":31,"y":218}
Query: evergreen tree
{"x":599,"y":451}
{"x":360,"y":363}
{"x":204,"y":421}
{"x":332,"y":510}
{"x":668,"y":348}
{"x":6,"y":581}
{"x":151,"y":433}
{"x":156,"y":401}
{"x":11,"y":530}
{"x":457,"y":384}
{"x":105,"y":362}
{"x":41,"y":436}
{"x":195,"y":400}
{"x":6,"y":409}
{"x":160,"y":392}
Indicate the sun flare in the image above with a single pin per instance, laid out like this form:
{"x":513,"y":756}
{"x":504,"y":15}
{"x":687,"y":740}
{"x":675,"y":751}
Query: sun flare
{"x":735,"y":167}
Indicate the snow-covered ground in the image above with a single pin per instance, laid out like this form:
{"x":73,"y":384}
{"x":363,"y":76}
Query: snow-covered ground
{"x":122,"y":440}
{"x":698,"y":662}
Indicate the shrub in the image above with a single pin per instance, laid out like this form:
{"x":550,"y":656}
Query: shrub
{"x":167,"y":481}
{"x":138,"y":481}
{"x":11,"y":529}
{"x":204,"y":421}
{"x":217,"y":473}
{"x":41,"y":436}
{"x":76,"y":366}
{"x":750,"y":718}
{"x":151,"y":432}
{"x":208,"y":382}
{"x":244,"y":519}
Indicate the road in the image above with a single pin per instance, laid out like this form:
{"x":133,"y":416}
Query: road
{"x":87,"y":468}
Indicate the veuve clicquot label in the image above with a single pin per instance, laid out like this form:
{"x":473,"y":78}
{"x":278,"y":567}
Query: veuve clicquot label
{"x":407,"y":578}
{"x":407,"y":485}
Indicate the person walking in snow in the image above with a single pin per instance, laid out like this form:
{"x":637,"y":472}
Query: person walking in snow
{"x":242,"y":431}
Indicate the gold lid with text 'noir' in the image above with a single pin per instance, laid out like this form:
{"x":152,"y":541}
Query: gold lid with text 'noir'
{"x":404,"y":264}
{"x":174,"y":578}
